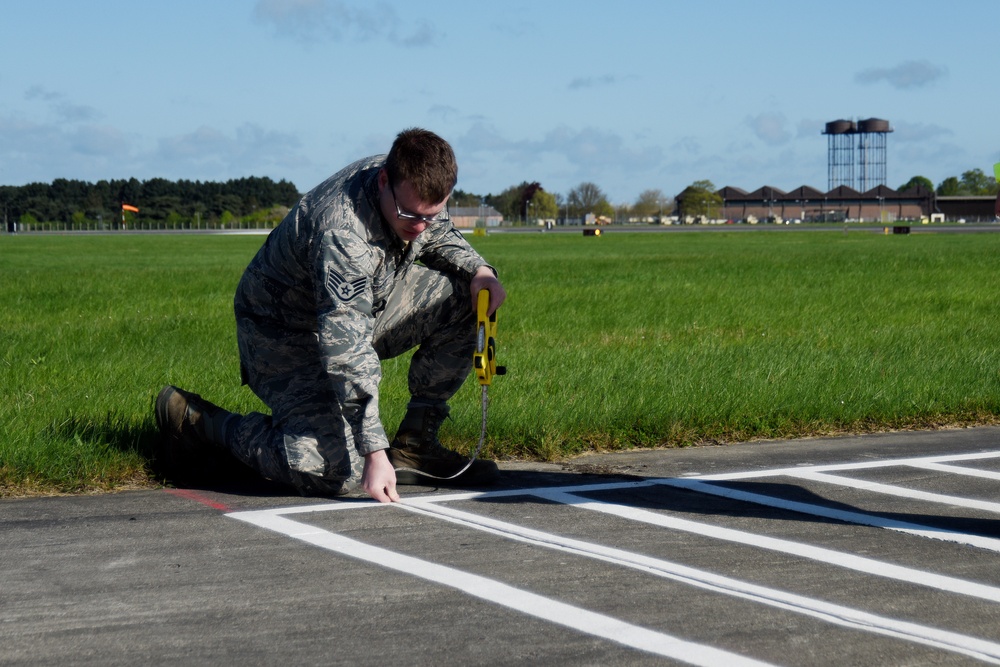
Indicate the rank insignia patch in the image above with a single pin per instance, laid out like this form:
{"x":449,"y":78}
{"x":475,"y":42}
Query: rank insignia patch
{"x":345,"y":289}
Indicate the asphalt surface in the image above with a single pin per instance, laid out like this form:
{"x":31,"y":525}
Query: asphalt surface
{"x":873,"y":550}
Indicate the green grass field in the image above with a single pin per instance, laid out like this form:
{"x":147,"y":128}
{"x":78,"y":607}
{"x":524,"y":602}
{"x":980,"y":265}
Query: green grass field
{"x":623,"y":340}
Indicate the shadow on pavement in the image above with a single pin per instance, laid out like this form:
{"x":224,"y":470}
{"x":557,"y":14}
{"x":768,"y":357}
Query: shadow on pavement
{"x":685,"y":501}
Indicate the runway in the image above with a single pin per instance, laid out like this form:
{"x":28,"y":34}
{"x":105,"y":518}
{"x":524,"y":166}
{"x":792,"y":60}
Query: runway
{"x":876,"y":549}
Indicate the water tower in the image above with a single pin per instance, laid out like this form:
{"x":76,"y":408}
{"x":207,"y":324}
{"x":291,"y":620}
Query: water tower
{"x":871,"y":137}
{"x":840,"y":153}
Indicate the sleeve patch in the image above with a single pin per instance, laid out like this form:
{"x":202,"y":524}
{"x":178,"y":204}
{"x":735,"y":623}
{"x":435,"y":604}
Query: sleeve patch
{"x":346,"y":290}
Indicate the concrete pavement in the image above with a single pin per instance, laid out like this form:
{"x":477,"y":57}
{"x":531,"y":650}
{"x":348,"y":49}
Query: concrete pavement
{"x":880,"y":549}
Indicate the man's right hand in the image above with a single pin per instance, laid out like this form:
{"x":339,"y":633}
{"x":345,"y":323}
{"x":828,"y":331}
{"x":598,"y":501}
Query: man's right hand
{"x":485,"y":280}
{"x":378,"y":478}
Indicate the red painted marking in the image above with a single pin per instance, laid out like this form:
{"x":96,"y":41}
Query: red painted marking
{"x":199,"y":498}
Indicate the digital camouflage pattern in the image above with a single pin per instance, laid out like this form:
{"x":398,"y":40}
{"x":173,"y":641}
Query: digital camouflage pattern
{"x":332,"y":291}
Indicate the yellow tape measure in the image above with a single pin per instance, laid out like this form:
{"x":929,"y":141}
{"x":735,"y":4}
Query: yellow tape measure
{"x":484,"y":359}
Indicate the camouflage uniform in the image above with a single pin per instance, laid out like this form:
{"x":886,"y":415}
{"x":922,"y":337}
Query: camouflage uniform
{"x":332,"y":291}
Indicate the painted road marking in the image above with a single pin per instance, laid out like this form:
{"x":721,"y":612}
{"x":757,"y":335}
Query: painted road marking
{"x":659,"y":643}
{"x":865,"y":465}
{"x":790,"y":547}
{"x":846,"y":516}
{"x":703,"y":484}
{"x":575,"y":618}
{"x":831,"y":613}
{"x":956,"y":470}
{"x":902,"y":492}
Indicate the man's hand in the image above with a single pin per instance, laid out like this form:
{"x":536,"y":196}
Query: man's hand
{"x":378,"y":478}
{"x":484,"y":279}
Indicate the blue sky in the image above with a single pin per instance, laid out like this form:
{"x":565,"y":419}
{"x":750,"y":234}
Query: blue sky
{"x":630,"y":95}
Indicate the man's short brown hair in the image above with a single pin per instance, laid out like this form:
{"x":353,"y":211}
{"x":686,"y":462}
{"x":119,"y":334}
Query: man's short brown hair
{"x":426,"y":161}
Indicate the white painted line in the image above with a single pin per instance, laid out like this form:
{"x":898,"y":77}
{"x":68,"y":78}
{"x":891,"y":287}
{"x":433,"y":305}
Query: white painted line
{"x":659,"y":643}
{"x":829,"y":612}
{"x":882,"y":463}
{"x":457,"y":496}
{"x":840,"y":515}
{"x":820,"y":554}
{"x":323,"y":507}
{"x":902,"y":492}
{"x":609,"y":486}
{"x":566,"y":615}
{"x":956,"y":470}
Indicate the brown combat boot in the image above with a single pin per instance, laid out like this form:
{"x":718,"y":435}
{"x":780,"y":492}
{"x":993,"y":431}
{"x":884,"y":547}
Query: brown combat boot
{"x":193,"y":430}
{"x":420,"y":458}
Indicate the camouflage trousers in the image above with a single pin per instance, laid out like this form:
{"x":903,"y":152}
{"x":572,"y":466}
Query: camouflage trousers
{"x":306,"y":441}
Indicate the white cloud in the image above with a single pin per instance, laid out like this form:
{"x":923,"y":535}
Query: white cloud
{"x":445,"y":112}
{"x":919,"y":132}
{"x":580,"y":83}
{"x":688,"y":145}
{"x":770,"y":127}
{"x":910,"y":74}
{"x":99,"y":140}
{"x":40,"y":151}
{"x":41,"y":93}
{"x":600,"y":148}
{"x":21,"y":139}
{"x":199,"y":144}
{"x":63,"y":109}
{"x":589,"y":148}
{"x":565,"y":155}
{"x":335,"y":20}
{"x":207,"y":149}
{"x":810,"y":129}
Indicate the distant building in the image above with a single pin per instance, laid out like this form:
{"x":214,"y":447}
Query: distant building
{"x":880,"y":204}
{"x":467,"y":217}
{"x":968,"y":208}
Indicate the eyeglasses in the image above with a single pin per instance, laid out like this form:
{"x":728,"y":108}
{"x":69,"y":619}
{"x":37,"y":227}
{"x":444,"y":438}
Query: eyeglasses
{"x":443,"y":216}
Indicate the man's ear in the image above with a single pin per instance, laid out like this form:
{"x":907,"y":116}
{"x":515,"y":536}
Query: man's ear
{"x":383,"y":178}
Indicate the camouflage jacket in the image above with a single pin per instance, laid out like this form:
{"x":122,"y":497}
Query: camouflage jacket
{"x":327,"y":270}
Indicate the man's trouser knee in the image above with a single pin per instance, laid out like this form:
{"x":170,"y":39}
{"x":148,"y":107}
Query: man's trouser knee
{"x":431,"y":310}
{"x":303,"y":442}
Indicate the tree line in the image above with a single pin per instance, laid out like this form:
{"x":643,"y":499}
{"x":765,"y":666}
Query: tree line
{"x":971,"y":184}
{"x":79,"y":202}
{"x":261,"y":199}
{"x":530,"y":202}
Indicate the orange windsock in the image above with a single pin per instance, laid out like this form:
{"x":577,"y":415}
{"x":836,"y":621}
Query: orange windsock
{"x":129,"y":207}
